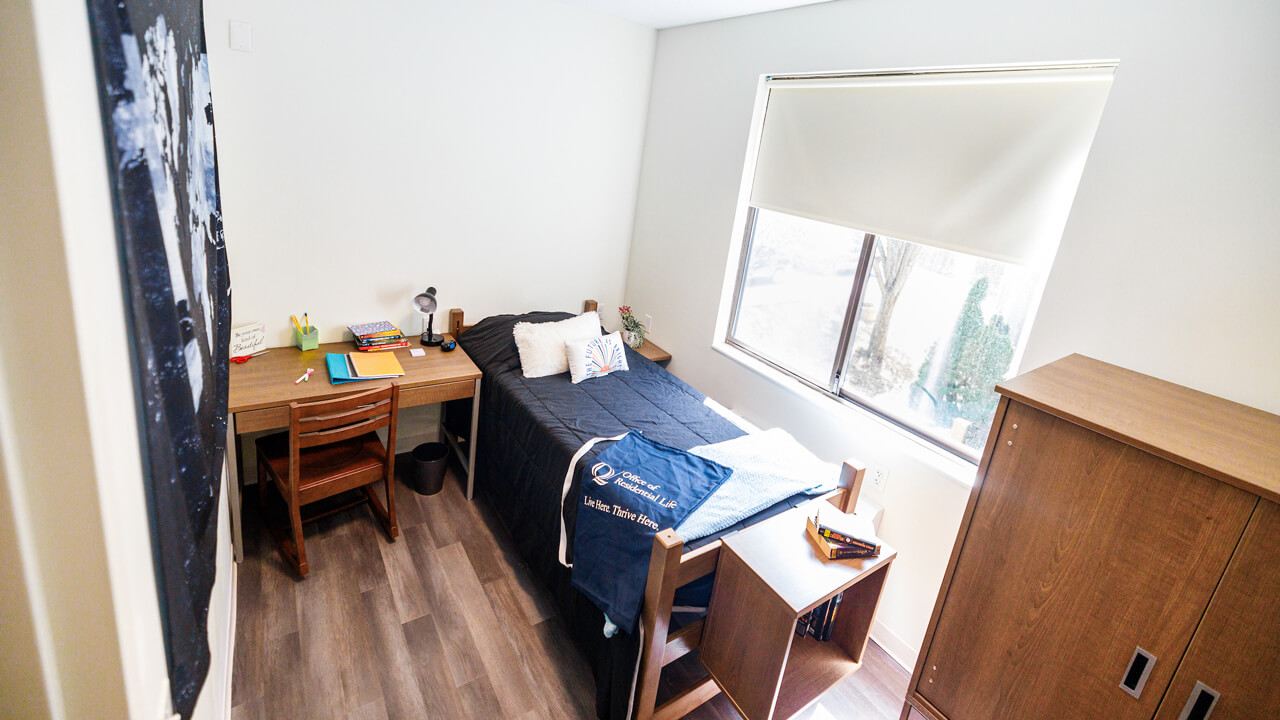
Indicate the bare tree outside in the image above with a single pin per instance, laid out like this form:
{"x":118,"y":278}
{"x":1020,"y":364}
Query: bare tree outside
{"x":877,"y":367}
{"x":890,"y":267}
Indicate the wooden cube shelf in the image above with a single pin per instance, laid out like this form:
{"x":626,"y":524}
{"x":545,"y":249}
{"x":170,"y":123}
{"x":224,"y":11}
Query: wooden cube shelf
{"x":767,"y":577}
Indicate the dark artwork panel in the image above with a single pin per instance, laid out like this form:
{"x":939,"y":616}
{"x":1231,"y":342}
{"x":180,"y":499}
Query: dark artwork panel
{"x":153,"y":83}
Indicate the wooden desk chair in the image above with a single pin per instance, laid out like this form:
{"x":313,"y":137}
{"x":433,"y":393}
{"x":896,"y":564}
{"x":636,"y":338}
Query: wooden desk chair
{"x":331,"y":447}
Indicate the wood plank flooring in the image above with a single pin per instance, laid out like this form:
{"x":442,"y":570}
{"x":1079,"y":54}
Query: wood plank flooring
{"x":446,"y":623}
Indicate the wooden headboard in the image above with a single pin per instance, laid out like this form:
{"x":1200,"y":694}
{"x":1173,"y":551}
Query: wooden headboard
{"x":457,"y":324}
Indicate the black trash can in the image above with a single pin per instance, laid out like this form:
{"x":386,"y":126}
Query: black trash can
{"x":427,"y":466}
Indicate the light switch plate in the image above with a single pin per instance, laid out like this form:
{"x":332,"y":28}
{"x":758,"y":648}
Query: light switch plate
{"x":241,"y":35}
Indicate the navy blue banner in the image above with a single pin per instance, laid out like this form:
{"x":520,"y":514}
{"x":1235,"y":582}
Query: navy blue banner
{"x":157,"y":115}
{"x":633,"y":489}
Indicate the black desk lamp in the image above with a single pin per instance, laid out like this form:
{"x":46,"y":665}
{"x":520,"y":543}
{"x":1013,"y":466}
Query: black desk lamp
{"x":425,"y":303}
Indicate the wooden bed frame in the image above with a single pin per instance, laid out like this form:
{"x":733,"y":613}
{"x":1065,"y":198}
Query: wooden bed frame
{"x":456,"y":325}
{"x":671,"y":568}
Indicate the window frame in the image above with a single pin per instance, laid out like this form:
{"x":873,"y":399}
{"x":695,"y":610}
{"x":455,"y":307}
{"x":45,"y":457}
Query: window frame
{"x":747,"y":214}
{"x":834,"y":388}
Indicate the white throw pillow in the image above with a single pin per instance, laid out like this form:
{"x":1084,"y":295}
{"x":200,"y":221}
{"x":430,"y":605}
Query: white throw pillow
{"x":541,"y":345}
{"x":595,"y":357}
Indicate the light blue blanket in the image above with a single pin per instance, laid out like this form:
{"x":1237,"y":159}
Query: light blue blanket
{"x":768,"y":467}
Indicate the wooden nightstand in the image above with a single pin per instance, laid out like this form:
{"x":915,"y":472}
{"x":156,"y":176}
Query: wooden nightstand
{"x":767,"y":577}
{"x":654,"y":353}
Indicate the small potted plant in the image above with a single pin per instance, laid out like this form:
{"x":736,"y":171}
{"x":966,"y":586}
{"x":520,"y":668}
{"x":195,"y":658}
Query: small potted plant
{"x":632,"y":329}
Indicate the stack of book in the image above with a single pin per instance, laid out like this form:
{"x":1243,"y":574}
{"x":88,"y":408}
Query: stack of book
{"x":818,"y":622}
{"x":840,"y":536}
{"x":380,"y":335}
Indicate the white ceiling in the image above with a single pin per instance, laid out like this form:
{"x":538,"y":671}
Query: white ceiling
{"x":670,"y":13}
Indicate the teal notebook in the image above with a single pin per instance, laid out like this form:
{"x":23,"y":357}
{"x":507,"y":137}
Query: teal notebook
{"x":339,"y":370}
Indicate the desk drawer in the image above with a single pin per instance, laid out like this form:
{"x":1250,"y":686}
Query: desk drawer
{"x":430,"y":394}
{"x":264,"y":419}
{"x":278,"y":417}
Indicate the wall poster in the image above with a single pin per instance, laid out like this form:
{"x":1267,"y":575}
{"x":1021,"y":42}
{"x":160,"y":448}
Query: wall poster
{"x":157,"y":114}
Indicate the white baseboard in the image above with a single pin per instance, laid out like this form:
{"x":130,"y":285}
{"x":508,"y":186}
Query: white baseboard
{"x":231,"y":639}
{"x":897,"y":648}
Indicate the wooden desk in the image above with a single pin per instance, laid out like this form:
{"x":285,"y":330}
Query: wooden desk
{"x":261,"y":390}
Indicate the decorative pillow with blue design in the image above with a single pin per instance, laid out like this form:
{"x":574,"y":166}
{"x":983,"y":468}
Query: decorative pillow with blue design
{"x":595,"y":357}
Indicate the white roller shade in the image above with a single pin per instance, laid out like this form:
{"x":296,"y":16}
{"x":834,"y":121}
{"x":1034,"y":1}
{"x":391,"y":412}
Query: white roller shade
{"x":983,"y":162}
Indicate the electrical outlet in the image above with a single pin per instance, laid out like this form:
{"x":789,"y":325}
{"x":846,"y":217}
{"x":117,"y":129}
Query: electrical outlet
{"x":648,"y":324}
{"x":877,"y":478}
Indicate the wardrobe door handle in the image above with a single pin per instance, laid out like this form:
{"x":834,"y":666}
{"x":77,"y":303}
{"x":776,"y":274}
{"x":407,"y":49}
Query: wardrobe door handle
{"x":1200,"y":704}
{"x":1136,"y":674}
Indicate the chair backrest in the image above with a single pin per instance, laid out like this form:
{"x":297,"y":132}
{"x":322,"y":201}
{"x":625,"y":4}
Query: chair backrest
{"x":329,"y":421}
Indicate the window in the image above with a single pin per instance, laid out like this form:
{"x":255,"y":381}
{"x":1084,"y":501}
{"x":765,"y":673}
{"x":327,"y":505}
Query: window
{"x":899,"y":229}
{"x":918,"y":334}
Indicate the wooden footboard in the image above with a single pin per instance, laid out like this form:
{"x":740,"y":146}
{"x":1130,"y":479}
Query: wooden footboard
{"x":670,"y":568}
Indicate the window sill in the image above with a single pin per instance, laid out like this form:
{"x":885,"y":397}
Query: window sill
{"x":958,"y":470}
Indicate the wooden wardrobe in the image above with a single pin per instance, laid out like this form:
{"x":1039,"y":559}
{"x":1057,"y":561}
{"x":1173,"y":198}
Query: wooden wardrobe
{"x":1119,"y":558}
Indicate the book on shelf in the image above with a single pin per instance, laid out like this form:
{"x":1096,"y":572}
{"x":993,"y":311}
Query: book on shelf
{"x":834,"y":605}
{"x":819,"y":622}
{"x":833,"y":550}
{"x":807,"y":623}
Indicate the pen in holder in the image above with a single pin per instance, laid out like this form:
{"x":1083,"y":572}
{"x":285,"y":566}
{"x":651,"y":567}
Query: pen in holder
{"x":306,"y":340}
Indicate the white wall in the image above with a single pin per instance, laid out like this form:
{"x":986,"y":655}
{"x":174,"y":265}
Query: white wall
{"x":74,"y":500}
{"x":1168,"y":264}
{"x":53,"y":192}
{"x":26,"y":635}
{"x":490,"y":148}
{"x":214,"y":702}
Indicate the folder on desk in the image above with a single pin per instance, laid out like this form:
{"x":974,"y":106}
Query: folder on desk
{"x":339,"y":370}
{"x":369,"y":366}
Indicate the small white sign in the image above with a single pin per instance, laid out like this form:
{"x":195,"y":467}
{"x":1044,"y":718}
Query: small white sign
{"x":248,"y":339}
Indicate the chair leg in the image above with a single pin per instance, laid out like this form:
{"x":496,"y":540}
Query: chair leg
{"x":288,"y":542}
{"x":295,"y":520}
{"x":394,"y":531}
{"x":386,"y":518}
{"x":262,"y":491}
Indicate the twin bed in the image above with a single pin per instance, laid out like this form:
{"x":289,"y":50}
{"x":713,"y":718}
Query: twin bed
{"x":529,"y":432}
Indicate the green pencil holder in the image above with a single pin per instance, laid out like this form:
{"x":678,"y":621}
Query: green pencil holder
{"x":306,"y":341}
